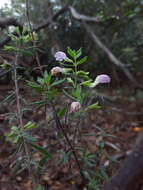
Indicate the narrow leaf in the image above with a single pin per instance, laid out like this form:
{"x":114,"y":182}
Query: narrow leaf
{"x":71,"y":52}
{"x":42,"y":163}
{"x":94,"y":106}
{"x":78,"y":53}
{"x":84,"y":59}
{"x":57,"y":82}
{"x":41,"y":150}
{"x":68,"y":95}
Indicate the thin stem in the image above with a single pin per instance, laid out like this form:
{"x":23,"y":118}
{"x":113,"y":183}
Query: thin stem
{"x":33,"y":39}
{"x":45,"y":106}
{"x":34,"y":45}
{"x":59,"y":126}
{"x":27,"y":151}
{"x":17,"y":92}
{"x":75,"y":67}
{"x":66,"y":117}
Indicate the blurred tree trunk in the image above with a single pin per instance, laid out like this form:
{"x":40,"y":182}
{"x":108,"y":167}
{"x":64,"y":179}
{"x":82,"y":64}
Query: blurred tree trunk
{"x":130,"y":175}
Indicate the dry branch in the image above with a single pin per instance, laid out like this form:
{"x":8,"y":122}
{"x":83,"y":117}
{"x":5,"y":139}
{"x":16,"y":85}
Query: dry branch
{"x":75,"y":14}
{"x":81,"y":17}
{"x":36,"y":28}
{"x":5,"y":22}
{"x":111,"y":56}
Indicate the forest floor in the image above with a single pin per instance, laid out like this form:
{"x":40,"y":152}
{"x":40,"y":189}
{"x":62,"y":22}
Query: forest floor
{"x":121,"y":116}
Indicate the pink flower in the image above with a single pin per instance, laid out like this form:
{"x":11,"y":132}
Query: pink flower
{"x":60,"y":56}
{"x":56,"y":70}
{"x":101,"y":79}
{"x":74,"y":107}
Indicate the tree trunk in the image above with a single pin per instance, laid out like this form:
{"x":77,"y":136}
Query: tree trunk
{"x":130,"y":175}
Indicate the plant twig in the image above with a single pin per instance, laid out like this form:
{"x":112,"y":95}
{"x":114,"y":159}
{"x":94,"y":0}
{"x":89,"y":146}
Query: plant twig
{"x":26,"y":149}
{"x":59,"y":126}
{"x":17,"y":91}
{"x":33,"y":39}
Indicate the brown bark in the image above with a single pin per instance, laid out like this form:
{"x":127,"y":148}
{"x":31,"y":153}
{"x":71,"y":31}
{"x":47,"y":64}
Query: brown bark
{"x":5,"y":22}
{"x":11,"y":21}
{"x":111,"y":56}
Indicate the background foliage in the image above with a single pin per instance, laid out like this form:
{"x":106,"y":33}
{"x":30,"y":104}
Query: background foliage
{"x":120,"y":30}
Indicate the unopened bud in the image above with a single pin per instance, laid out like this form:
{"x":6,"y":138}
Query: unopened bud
{"x":56,"y":70}
{"x":74,"y":107}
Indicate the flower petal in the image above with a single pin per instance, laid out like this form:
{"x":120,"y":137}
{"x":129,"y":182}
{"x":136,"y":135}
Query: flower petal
{"x":103,"y":78}
{"x":60,"y":56}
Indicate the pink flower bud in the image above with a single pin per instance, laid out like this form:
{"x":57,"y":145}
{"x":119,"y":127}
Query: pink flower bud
{"x":74,"y":107}
{"x":100,"y":79}
{"x":60,"y":56}
{"x":56,"y":70}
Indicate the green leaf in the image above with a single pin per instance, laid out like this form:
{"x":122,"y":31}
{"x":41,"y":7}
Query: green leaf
{"x":83,"y":74}
{"x":19,"y":167}
{"x":17,"y":30}
{"x":40,"y":187}
{"x":41,"y":102}
{"x":84,"y":59}
{"x":27,"y":38}
{"x":9,"y":48}
{"x":77,"y":93}
{"x":25,"y":30}
{"x":41,"y":150}
{"x":68,"y":95}
{"x":40,"y":80}
{"x":72,"y":53}
{"x":30,"y":125}
{"x":67,"y":64}
{"x":68,"y":70}
{"x":57,"y":82}
{"x":29,"y":138}
{"x":104,"y":175}
{"x":68,"y":60}
{"x":78,"y":53}
{"x":65,"y":157}
{"x":94,"y":106}
{"x":26,"y":52}
{"x":8,"y":98}
{"x":14,"y":134}
{"x":86,"y":83}
{"x":61,"y":112}
{"x":42,"y":163}
{"x":35,"y":85}
{"x":11,"y":134}
{"x":70,"y":81}
{"x":47,"y":77}
{"x":52,"y":94}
